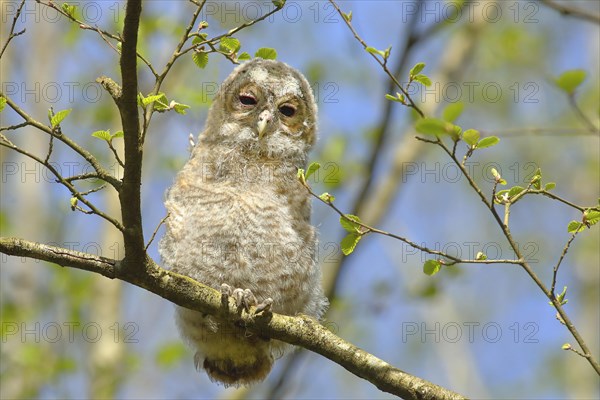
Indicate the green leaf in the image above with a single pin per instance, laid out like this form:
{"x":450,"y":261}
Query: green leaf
{"x":118,"y":134}
{"x":200,"y":38}
{"x":471,"y":136}
{"x":244,"y":56}
{"x":200,"y":58}
{"x":349,"y":243}
{"x":326,"y":197}
{"x":500,"y":196}
{"x":103,"y":135}
{"x":537,"y":182}
{"x":58,"y":117}
{"x":455,"y":132}
{"x":431,"y":267}
{"x":267,"y":53}
{"x":416,"y":69}
{"x":398,"y":98}
{"x":487,"y":142}
{"x":73,"y":202}
{"x":481,"y":256}
{"x":278,"y":3}
{"x":570,"y":80}
{"x":515,"y":190}
{"x":347,"y":17}
{"x":423,"y":79}
{"x":566,"y":346}
{"x":373,"y":50}
{"x":561,"y":296}
{"x":2,"y":103}
{"x":549,"y":186}
{"x":350,"y":224}
{"x":591,"y":217}
{"x":178,"y":107}
{"x":300,"y":175}
{"x":312,"y":168}
{"x":434,"y":126}
{"x":575,"y":226}
{"x":150,"y":99}
{"x":169,"y":355}
{"x":386,"y":52}
{"x":160,"y":101}
{"x":452,"y":111}
{"x":69,"y":9}
{"x":229,"y":45}
{"x":498,"y":177}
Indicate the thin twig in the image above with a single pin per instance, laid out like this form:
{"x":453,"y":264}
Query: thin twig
{"x":103,"y":33}
{"x":383,"y":64}
{"x":67,"y":184}
{"x":368,"y":229}
{"x":12,"y":34}
{"x":148,"y":111}
{"x":558,"y":198}
{"x":591,"y":127}
{"x":89,"y":175}
{"x":587,"y":354}
{"x":112,"y":148}
{"x":217,"y":38}
{"x":562,"y":256}
{"x":104,"y":174}
{"x":571,"y":11}
{"x":14,"y":127}
{"x":162,"y":221}
{"x":94,"y":190}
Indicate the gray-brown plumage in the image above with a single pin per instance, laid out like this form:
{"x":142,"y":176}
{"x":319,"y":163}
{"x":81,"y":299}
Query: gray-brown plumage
{"x":239,"y":218}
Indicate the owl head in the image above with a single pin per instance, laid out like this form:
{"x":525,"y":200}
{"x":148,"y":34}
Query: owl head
{"x":265,"y":109}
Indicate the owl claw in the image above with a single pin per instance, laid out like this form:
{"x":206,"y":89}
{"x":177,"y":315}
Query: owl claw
{"x":245,"y":298}
{"x":264,"y":306}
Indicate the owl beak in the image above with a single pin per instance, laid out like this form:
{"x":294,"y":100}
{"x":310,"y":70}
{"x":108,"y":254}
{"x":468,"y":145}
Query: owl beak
{"x":263,"y":120}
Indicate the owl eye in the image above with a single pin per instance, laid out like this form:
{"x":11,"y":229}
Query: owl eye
{"x":287,"y":110}
{"x":247,"y":99}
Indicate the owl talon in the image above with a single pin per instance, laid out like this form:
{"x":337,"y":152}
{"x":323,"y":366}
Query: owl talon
{"x":226,"y":289}
{"x":245,"y":298}
{"x":248,"y":300}
{"x":264,"y":306}
{"x":238,"y":296}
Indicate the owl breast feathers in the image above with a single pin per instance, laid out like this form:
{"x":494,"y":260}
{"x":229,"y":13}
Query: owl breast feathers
{"x":238,"y":215}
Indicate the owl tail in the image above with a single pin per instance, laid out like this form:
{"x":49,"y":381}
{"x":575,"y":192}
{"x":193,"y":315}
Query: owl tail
{"x":246,"y":370}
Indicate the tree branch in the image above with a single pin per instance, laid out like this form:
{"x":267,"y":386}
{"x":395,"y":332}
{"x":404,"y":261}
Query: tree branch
{"x":12,"y":34}
{"x":382,"y":63}
{"x":571,"y":11}
{"x":129,"y":196}
{"x":102,"y":173}
{"x":564,"y":318}
{"x":66,"y":182}
{"x":300,"y":330}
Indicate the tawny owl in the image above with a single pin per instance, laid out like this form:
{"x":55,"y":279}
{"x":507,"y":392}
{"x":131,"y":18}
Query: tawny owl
{"x":240,"y":220}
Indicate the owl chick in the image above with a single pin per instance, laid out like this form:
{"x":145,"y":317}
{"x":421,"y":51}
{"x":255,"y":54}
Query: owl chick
{"x":240,"y":220}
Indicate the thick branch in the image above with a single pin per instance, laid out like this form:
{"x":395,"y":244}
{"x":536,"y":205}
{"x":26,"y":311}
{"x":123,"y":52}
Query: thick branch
{"x":129,"y":196}
{"x":301,"y":330}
